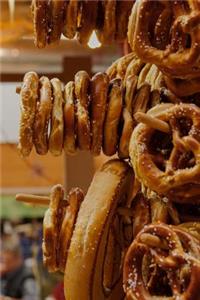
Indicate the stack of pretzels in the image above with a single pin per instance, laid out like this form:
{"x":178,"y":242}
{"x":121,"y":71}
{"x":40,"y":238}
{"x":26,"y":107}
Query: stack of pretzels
{"x":75,"y":18}
{"x":136,"y":233}
{"x":91,"y":114}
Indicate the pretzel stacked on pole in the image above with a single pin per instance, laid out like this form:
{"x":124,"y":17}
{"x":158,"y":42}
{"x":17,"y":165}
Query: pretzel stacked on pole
{"x":88,"y":114}
{"x":75,"y":18}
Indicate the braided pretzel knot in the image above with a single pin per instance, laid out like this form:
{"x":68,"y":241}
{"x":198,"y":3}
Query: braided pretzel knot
{"x":169,"y":164}
{"x":166,"y":33}
{"x":162,"y":263}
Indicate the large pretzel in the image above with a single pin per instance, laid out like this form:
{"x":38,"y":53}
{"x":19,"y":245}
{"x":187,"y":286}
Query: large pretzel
{"x":166,"y":33}
{"x":162,"y":263}
{"x":169,"y":163}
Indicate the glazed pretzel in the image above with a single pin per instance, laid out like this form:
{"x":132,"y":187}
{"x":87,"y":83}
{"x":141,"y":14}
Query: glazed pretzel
{"x":168,"y":163}
{"x":166,"y":33}
{"x":162,"y":263}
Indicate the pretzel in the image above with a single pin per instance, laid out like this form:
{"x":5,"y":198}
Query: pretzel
{"x":113,"y":112}
{"x":134,"y":68}
{"x":127,"y":119}
{"x":56,"y":12}
{"x":118,"y":68}
{"x":28,"y":101}
{"x":168,"y":163}
{"x":40,"y":10}
{"x":162,"y":263}
{"x":123,"y":11}
{"x":69,"y":119}
{"x":82,"y":82}
{"x":87,"y":20}
{"x":92,"y":247}
{"x":57,"y":122}
{"x":51,"y":227}
{"x":142,"y":215}
{"x":177,"y":52}
{"x":182,"y":88}
{"x":99,"y":90}
{"x":43,"y":114}
{"x":74,"y":198}
{"x":192,"y":227}
{"x":106,"y":30}
{"x":70,"y":18}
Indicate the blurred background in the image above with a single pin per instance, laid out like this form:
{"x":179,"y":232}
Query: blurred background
{"x":21,"y":225}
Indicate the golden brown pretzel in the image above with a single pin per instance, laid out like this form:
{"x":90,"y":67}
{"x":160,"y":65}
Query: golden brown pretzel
{"x":181,"y":87}
{"x":162,"y":263}
{"x":28,"y":102}
{"x":106,"y":30}
{"x":70,"y":18}
{"x":89,"y":249}
{"x":69,"y":119}
{"x":82,"y":82}
{"x":57,"y":122}
{"x":74,"y":198}
{"x":127,"y":120}
{"x":56,"y":12}
{"x":118,"y":67}
{"x":43,"y":115}
{"x":178,"y":51}
{"x":99,"y":90}
{"x":51,"y":227}
{"x":169,"y":163}
{"x":40,"y":12}
{"x":123,"y":11}
{"x":112,"y":118}
{"x":88,"y":19}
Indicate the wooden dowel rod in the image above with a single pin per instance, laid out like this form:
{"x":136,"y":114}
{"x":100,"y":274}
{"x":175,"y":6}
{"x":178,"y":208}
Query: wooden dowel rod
{"x":33,"y":199}
{"x":152,"y":122}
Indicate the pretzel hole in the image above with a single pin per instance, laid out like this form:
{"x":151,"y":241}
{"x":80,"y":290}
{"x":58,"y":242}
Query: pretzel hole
{"x":160,"y":147}
{"x":184,"y":125}
{"x":183,"y":160}
{"x":155,"y":278}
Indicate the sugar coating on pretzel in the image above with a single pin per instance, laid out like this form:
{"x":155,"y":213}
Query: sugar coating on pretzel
{"x":43,"y":115}
{"x":82,"y":82}
{"x":28,"y":102}
{"x":57,"y":122}
{"x":70,"y":144}
{"x":112,"y":118}
{"x":166,"y":33}
{"x":162,"y":263}
{"x":169,"y":163}
{"x":40,"y":21}
{"x":99,"y":91}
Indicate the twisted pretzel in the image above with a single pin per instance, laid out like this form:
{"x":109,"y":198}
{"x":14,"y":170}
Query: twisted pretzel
{"x":162,"y":263}
{"x":169,"y":163}
{"x":165,"y":33}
